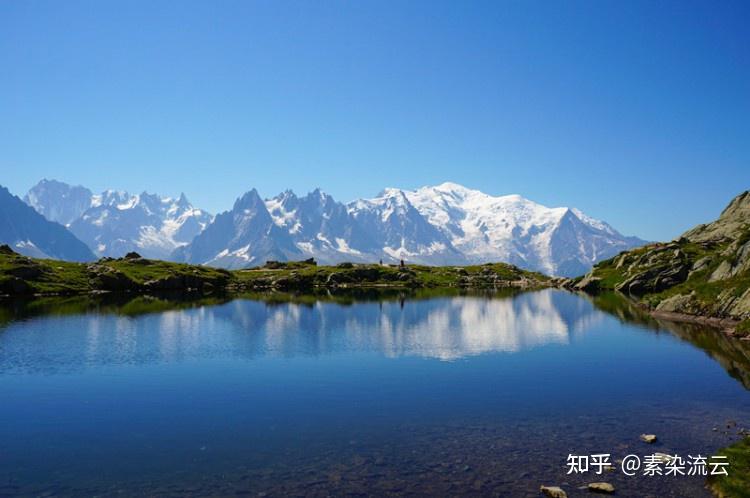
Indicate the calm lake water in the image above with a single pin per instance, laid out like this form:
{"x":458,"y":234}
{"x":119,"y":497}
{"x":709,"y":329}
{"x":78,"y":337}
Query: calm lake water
{"x":334,"y":395}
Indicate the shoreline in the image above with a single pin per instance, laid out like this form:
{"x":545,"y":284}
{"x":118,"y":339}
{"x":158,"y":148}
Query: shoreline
{"x":21,"y":276}
{"x":726,"y":325}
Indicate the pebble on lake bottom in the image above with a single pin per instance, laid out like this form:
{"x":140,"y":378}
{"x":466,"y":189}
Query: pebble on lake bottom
{"x":553,"y":492}
{"x":601,"y":487}
{"x":648,"y":438}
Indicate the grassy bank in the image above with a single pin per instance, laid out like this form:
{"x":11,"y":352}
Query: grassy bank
{"x":24,"y":276}
{"x":737,"y":483}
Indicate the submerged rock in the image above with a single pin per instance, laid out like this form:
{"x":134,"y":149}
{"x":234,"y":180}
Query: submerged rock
{"x":601,"y":487}
{"x":553,"y":492}
{"x":648,"y":438}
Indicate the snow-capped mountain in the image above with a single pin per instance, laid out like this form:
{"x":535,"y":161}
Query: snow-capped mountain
{"x":401,"y":231}
{"x":321,"y":227}
{"x":557,"y":241}
{"x":113,"y":223}
{"x":440,"y":225}
{"x":29,"y":233}
{"x":58,"y":201}
{"x":446,"y":224}
{"x":245,"y":236}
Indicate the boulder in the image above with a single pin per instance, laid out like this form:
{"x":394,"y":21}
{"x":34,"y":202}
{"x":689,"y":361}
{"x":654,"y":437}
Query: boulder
{"x":590,"y":284}
{"x":722,"y":272}
{"x":679,"y":303}
{"x":700,"y":265}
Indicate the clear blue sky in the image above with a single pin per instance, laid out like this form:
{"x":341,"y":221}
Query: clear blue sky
{"x":636,"y":112}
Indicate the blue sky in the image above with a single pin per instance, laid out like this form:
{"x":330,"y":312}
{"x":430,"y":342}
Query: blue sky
{"x":636,"y":112}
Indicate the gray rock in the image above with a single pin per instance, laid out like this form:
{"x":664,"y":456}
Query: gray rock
{"x":722,"y":272}
{"x":589,"y":284}
{"x":676,"y":304}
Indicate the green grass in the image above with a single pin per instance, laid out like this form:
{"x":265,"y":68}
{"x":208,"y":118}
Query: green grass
{"x":20,"y":275}
{"x":142,"y":271}
{"x":737,"y":483}
{"x":705,"y":294}
{"x":743,"y":328}
{"x":373,"y":275}
{"x":45,"y":277}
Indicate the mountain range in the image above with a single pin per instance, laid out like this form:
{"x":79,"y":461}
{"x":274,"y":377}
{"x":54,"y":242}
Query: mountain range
{"x":114,"y":223}
{"x":30,"y":233}
{"x":443,"y":225}
{"x":447,"y":224}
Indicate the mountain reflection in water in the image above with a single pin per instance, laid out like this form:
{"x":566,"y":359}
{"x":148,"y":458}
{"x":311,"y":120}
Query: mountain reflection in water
{"x":434,"y":393}
{"x":446,"y":328}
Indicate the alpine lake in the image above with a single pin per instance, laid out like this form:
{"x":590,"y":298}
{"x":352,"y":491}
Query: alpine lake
{"x":438,"y":393}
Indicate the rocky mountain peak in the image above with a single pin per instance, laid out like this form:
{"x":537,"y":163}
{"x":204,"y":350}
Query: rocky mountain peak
{"x":443,"y":224}
{"x":28,"y":232}
{"x":249,"y":198}
{"x":733,"y":221}
{"x":116,"y":222}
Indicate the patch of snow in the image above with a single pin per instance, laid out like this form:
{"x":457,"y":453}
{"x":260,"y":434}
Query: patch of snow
{"x":343,"y":246}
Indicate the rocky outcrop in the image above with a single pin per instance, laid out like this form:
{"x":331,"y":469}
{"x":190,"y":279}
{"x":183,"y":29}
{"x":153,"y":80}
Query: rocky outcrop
{"x":106,"y":278}
{"x":705,"y":272}
{"x":733,"y":220}
{"x":660,"y":268}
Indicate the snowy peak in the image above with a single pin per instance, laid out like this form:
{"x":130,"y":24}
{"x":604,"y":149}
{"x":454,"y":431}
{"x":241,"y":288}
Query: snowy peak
{"x":319,"y":226}
{"x":247,"y":235}
{"x":400,"y":231}
{"x":440,"y":225}
{"x":31,"y":234}
{"x":58,"y":201}
{"x":514,"y":229}
{"x":113,"y":222}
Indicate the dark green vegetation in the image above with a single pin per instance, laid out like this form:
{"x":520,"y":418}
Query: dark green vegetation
{"x":289,"y":276}
{"x":20,"y":275}
{"x":737,"y":483}
{"x":704,"y":273}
